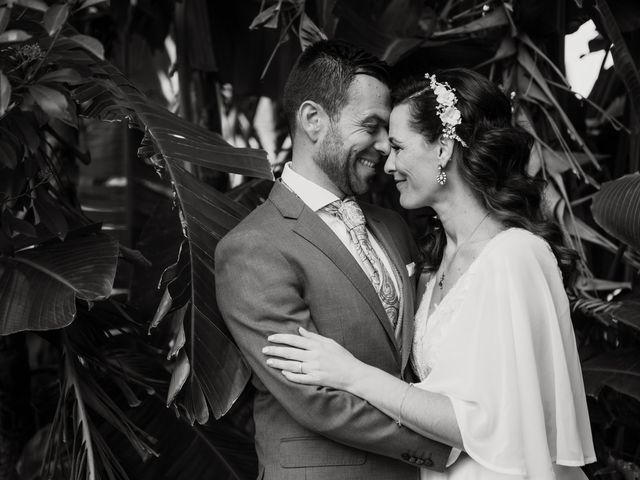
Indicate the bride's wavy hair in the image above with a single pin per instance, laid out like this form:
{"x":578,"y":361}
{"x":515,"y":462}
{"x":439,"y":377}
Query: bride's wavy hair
{"x":494,"y":164}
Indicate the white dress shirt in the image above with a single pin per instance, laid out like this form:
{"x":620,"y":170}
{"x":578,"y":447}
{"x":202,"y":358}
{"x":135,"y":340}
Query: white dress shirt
{"x":316,"y":198}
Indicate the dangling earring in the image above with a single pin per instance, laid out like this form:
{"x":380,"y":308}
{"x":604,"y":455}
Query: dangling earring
{"x":442,"y":175}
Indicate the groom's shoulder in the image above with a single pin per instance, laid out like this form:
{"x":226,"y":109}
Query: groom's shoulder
{"x":261,"y":223}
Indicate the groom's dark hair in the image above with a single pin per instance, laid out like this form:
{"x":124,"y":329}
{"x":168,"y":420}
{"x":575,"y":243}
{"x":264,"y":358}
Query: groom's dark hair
{"x":323,"y":74}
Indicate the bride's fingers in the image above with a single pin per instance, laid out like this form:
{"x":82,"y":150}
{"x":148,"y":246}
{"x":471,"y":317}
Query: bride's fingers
{"x":293,"y":340}
{"x":300,"y":378}
{"x":292,"y":366}
{"x":286,"y":352}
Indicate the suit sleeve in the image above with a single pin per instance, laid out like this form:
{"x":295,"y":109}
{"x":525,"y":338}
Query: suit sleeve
{"x":259,"y":294}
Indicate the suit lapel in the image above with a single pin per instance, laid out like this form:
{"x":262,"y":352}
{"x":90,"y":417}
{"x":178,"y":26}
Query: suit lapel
{"x":311,"y":227}
{"x":384,"y":236}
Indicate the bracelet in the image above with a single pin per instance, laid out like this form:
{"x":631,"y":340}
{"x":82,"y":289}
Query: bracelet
{"x":404,"y":397}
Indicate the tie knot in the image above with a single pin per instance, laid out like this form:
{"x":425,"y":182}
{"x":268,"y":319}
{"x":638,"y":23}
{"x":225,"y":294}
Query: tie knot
{"x":348,"y":211}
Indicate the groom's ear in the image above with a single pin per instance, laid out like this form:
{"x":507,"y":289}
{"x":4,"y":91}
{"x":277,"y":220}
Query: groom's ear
{"x":445,"y":150}
{"x":312,"y":119}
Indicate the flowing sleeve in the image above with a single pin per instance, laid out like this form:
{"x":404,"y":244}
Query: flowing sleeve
{"x":509,"y":363}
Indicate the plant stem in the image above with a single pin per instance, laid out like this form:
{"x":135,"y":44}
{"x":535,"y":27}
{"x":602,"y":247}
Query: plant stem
{"x":83,"y":419}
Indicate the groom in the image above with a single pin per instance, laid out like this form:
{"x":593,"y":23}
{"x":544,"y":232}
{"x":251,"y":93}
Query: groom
{"x":306,"y":258}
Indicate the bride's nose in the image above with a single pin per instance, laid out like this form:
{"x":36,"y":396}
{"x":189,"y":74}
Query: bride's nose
{"x":390,"y":164}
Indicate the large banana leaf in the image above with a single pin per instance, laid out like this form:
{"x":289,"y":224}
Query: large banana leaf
{"x":115,"y":98}
{"x":619,"y":370}
{"x":39,"y":286}
{"x":616,"y":208}
{"x":216,"y":369}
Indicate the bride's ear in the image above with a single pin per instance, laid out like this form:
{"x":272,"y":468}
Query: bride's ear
{"x":445,"y":150}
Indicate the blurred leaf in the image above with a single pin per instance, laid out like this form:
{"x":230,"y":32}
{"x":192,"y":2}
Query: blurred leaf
{"x":38,"y":5}
{"x":626,"y":67}
{"x":8,"y":155}
{"x":615,"y":208}
{"x":5,"y":93}
{"x":14,"y":226}
{"x":627,"y":312}
{"x":52,"y":101}
{"x":5,"y":16}
{"x":529,"y":64}
{"x":11,"y":36}
{"x":91,"y":44}
{"x":584,"y":283}
{"x":506,"y":49}
{"x":309,"y":32}
{"x":63,"y":75}
{"x":220,"y":450}
{"x":267,"y":18}
{"x":619,"y":370}
{"x":134,"y":256}
{"x":54,"y":17}
{"x":39,"y":286}
{"x":525,"y":39}
{"x":91,"y":3}
{"x":50,"y":214}
{"x":497,"y":18}
{"x":32,"y":455}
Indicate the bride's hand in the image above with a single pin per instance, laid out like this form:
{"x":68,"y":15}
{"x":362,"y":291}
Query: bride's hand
{"x":312,"y":359}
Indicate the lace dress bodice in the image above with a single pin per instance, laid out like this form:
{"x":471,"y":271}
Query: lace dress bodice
{"x":431,"y":330}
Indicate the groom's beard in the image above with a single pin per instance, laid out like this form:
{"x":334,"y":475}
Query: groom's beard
{"x":339,"y":164}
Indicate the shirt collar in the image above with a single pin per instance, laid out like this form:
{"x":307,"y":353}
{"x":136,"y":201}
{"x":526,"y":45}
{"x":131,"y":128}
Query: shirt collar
{"x":312,"y":194}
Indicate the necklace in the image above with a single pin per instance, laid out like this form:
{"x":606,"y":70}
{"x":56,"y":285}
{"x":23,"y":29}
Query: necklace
{"x":453,"y":257}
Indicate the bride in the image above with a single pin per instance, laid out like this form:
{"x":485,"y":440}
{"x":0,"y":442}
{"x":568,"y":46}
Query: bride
{"x":494,"y":348}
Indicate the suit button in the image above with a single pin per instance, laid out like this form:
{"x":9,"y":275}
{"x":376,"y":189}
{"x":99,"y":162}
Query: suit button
{"x":428,"y":462}
{"x":420,"y":461}
{"x":405,"y":456}
{"x":413,"y":459}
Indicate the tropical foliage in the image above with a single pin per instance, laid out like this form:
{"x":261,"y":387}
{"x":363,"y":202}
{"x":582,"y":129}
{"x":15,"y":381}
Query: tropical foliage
{"x":107,"y":302}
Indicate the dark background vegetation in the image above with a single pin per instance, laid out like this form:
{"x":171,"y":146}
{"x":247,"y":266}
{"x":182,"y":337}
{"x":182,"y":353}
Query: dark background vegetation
{"x":117,"y":179}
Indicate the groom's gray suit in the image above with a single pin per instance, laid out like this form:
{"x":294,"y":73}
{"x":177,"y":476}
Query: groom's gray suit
{"x":283,"y":267}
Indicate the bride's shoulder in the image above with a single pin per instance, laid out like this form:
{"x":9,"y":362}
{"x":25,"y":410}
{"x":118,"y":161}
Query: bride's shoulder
{"x":519,"y":239}
{"x":519,"y":245}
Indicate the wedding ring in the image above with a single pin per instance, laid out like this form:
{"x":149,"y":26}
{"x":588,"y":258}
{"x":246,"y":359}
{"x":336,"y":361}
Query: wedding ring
{"x":300,"y":369}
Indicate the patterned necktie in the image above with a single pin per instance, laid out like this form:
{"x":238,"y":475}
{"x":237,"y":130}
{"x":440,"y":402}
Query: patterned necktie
{"x":349,"y":212}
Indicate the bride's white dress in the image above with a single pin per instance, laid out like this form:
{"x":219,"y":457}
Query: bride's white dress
{"x":501,"y":346}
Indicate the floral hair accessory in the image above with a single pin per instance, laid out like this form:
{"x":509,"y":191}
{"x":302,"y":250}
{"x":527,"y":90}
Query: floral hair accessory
{"x":447,"y":111}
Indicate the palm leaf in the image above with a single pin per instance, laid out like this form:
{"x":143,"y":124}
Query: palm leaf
{"x":216,"y":366}
{"x":497,"y":18}
{"x":616,"y":208}
{"x":625,"y":65}
{"x":112,"y":97}
{"x":82,"y":268}
{"x":619,"y":370}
